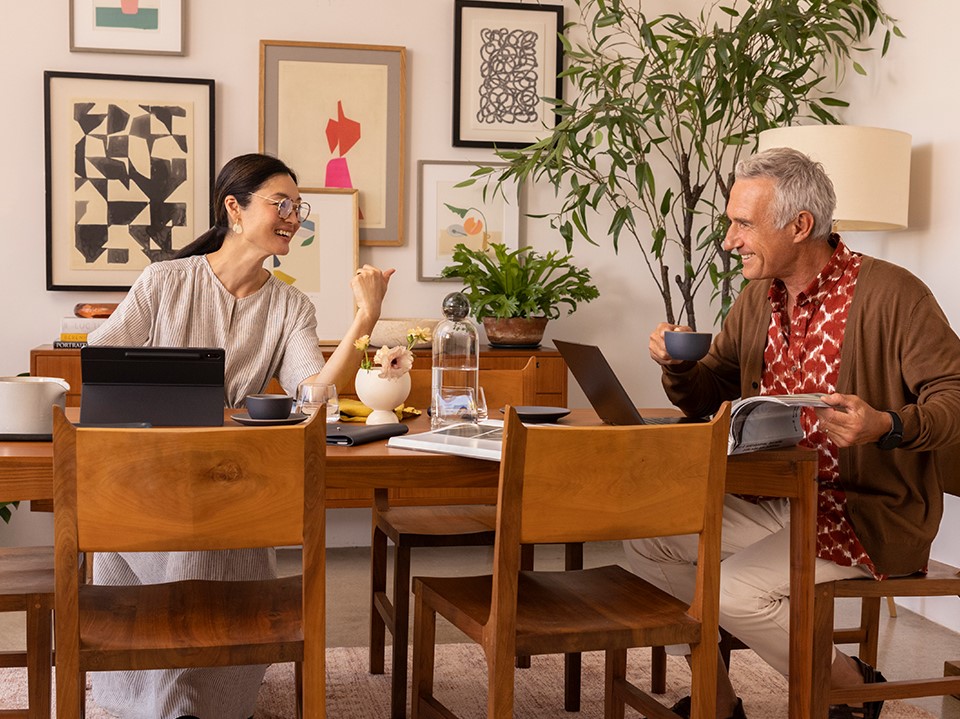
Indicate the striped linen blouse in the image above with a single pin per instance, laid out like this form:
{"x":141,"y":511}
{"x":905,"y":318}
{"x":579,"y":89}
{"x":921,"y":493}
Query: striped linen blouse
{"x":181,"y":303}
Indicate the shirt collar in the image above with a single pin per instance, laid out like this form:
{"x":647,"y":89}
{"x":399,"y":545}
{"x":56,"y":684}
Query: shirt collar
{"x":821,"y":285}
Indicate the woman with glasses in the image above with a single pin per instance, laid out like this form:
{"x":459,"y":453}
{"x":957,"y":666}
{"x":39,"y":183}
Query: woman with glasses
{"x":218,"y":294}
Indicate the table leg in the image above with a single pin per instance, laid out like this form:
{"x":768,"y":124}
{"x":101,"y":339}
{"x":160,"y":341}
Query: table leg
{"x":803,"y":547}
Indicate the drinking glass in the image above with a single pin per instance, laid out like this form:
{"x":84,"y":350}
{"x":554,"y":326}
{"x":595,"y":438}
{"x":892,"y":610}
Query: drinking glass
{"x":482,"y":414}
{"x":311,"y":395}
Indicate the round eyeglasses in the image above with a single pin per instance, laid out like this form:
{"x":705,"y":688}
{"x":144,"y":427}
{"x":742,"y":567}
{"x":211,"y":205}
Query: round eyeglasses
{"x":287,"y":206}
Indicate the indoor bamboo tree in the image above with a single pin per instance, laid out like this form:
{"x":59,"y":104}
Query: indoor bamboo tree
{"x":662,"y":108}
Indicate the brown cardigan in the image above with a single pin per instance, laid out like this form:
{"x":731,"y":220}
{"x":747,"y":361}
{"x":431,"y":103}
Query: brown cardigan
{"x":898,"y":353}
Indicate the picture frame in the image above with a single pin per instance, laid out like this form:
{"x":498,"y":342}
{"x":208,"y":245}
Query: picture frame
{"x":338,"y":112}
{"x":324,"y":256}
{"x":500,"y":104}
{"x":445,"y":212}
{"x":129,"y":174}
{"x":139,"y":27}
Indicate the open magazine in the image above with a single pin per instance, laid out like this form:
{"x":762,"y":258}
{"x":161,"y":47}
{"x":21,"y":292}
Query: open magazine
{"x":768,"y":421}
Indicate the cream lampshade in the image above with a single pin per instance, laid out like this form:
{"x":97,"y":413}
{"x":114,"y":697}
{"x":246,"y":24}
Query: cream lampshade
{"x":869,"y":168}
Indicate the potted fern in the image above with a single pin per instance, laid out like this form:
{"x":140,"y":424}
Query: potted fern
{"x":514,"y":293}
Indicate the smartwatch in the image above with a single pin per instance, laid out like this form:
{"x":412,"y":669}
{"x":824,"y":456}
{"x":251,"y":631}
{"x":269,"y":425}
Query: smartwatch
{"x":893,"y":438}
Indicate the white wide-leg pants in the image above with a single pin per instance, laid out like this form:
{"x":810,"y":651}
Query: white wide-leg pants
{"x":754,"y":574}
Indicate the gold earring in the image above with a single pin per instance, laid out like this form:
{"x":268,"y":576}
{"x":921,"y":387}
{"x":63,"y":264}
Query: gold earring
{"x":237,"y":228}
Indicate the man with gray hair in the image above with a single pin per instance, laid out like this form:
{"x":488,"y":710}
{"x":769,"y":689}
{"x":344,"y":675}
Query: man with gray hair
{"x":817,"y":317}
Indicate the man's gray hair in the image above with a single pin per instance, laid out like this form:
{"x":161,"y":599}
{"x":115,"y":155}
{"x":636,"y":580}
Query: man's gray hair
{"x":800,"y":184}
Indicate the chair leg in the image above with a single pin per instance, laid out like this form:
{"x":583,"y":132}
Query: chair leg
{"x":615,"y":670}
{"x":658,"y":670}
{"x":823,"y":609}
{"x":39,"y":648}
{"x":526,"y":565}
{"x":298,"y":687}
{"x":378,"y":588}
{"x":891,"y":608}
{"x":401,"y":632}
{"x":573,"y":561}
{"x":424,"y":647}
{"x":870,"y":626}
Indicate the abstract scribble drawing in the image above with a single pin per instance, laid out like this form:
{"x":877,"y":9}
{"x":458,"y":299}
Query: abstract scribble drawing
{"x":128,"y":161}
{"x":342,"y":133}
{"x":509,"y":80}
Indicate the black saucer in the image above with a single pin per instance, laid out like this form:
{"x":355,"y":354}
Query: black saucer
{"x":244,"y":418}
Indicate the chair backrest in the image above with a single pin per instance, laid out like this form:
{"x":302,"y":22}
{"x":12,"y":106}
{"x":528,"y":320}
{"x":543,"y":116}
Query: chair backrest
{"x":609,"y":483}
{"x":500,"y":387}
{"x":191,"y":488}
{"x":574,"y":484}
{"x":170,"y":489}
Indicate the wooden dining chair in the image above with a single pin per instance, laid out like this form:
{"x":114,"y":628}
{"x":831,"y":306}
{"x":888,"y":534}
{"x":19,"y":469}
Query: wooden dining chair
{"x":588,"y":484}
{"x":940,"y":580}
{"x":457,"y":525}
{"x":188,"y":489}
{"x":26,"y":585}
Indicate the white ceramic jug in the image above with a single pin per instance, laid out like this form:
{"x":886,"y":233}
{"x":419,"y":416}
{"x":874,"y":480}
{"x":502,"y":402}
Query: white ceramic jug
{"x":26,"y":404}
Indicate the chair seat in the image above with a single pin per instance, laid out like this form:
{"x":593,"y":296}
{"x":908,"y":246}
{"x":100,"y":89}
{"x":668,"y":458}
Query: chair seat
{"x":559,"y":612}
{"x":439,"y":526}
{"x":24,"y":571}
{"x":200,"y":619}
{"x":940,"y":580}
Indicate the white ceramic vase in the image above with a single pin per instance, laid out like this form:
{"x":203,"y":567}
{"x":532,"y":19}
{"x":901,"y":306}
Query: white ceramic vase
{"x":382,"y":395}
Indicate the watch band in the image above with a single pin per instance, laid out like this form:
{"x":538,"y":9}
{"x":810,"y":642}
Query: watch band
{"x":893,"y":438}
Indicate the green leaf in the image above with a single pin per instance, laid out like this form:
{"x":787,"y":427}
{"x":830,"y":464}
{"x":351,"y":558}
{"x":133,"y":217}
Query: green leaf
{"x":461,"y":211}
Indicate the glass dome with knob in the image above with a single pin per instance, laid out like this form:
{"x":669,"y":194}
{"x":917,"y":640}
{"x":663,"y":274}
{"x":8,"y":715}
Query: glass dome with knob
{"x":455,"y":387}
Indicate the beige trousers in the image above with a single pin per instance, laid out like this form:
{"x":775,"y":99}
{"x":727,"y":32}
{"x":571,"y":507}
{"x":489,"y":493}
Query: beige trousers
{"x":754,"y":574}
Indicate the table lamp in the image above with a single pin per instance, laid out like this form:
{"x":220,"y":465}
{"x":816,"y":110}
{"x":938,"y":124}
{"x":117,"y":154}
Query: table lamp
{"x":869,"y":168}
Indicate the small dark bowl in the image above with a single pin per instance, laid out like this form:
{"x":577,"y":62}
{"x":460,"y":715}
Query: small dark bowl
{"x":687,"y":345}
{"x":269,"y":406}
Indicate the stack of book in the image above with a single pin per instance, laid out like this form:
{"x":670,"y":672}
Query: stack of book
{"x":74,"y":331}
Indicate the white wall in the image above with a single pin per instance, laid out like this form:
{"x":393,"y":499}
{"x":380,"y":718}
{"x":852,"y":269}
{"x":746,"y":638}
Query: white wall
{"x":911,"y":90}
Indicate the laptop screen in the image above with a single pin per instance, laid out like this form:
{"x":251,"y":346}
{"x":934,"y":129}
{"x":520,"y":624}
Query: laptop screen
{"x":162,"y":386}
{"x":599,"y":383}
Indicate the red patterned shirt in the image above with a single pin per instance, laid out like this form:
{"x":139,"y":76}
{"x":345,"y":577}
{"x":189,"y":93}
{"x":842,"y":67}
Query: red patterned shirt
{"x":803,"y":355}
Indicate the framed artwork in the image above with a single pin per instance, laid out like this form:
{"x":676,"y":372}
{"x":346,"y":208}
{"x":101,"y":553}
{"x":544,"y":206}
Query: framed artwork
{"x":323,"y":257}
{"x":506,"y":59}
{"x":145,"y":27}
{"x":449,"y":215}
{"x":336,"y":113}
{"x":129,"y":171}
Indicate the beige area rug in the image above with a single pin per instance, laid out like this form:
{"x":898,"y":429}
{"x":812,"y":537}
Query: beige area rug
{"x":460,"y":682}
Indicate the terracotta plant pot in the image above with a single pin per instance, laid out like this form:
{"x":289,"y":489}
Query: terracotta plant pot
{"x":515,"y":331}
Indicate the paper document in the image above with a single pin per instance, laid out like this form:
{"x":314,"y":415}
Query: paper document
{"x":768,"y":421}
{"x":467,"y":439}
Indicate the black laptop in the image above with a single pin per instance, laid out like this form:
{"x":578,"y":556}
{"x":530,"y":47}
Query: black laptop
{"x":601,"y":386}
{"x":158,"y":386}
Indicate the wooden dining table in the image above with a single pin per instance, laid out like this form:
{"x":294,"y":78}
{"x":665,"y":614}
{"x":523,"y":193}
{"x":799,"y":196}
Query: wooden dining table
{"x":26,"y":473}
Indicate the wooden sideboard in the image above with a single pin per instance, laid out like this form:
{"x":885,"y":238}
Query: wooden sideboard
{"x":45,"y":361}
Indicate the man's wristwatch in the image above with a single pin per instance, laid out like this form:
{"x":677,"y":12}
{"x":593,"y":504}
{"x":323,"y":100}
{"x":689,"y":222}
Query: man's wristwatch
{"x":893,"y":438}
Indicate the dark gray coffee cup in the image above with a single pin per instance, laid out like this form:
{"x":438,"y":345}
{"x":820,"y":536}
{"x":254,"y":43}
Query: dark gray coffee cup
{"x":269,"y":406}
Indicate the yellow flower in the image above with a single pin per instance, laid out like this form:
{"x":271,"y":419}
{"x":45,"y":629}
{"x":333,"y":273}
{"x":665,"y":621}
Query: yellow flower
{"x":417,"y":334}
{"x":362,"y":343}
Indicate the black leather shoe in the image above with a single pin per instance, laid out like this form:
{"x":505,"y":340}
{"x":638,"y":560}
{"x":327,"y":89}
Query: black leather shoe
{"x":682,"y":709}
{"x":869,"y":710}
